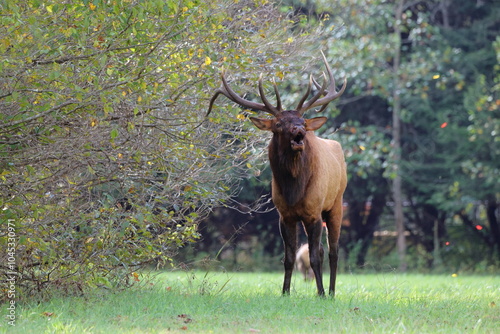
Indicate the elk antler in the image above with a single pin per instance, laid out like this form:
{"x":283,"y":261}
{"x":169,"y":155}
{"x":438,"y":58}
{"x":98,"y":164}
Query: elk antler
{"x":330,"y":92}
{"x":233,"y":96}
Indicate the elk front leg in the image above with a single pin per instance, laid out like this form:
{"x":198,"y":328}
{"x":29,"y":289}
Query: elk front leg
{"x":289,"y":234}
{"x":316,"y":252}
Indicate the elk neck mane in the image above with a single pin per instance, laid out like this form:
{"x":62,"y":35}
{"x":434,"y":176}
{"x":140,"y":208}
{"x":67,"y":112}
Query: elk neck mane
{"x":292,"y":170}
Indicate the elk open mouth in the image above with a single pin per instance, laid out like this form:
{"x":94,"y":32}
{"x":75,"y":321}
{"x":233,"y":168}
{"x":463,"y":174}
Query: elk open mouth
{"x":298,"y":142}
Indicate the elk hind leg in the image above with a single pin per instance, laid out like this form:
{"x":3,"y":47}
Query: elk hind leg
{"x":333,"y":223}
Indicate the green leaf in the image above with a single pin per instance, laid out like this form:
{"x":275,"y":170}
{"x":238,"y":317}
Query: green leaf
{"x":114,"y":133}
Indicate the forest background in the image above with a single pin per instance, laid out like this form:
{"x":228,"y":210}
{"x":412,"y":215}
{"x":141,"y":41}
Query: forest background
{"x":108,"y":163}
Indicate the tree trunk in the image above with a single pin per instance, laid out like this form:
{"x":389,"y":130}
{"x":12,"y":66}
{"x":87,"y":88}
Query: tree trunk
{"x":371,"y":223}
{"x":396,"y":137}
{"x":443,"y":7}
{"x":436,"y":254}
{"x":491,"y":209}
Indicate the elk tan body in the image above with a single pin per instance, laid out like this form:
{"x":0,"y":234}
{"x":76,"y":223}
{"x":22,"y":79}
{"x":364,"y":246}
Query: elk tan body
{"x":309,"y":174}
{"x":324,"y":182}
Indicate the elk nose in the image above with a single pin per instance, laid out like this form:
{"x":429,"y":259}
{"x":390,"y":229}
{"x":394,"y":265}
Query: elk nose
{"x":296,"y":129}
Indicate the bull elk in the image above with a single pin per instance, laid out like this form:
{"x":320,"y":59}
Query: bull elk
{"x":309,"y":173}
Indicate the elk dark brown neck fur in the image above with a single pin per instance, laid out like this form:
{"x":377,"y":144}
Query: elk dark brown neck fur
{"x":291,"y":169}
{"x":309,"y":173}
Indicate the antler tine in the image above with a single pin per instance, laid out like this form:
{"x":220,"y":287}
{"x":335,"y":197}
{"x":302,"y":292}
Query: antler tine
{"x":212,"y":100}
{"x":318,"y":86}
{"x":315,"y":97}
{"x":330,"y":92}
{"x":238,"y":99}
{"x":303,"y":99}
{"x":270,"y":108}
{"x":326,"y":92}
{"x":233,"y":96}
{"x":278,"y":98}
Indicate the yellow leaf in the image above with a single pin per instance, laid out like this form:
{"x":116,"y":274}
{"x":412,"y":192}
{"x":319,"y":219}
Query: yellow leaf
{"x":241,"y":117}
{"x":139,"y":99}
{"x":208,"y":61}
{"x":92,"y":6}
{"x":362,"y":147}
{"x":249,"y":165}
{"x":436,"y":76}
{"x":49,"y":9}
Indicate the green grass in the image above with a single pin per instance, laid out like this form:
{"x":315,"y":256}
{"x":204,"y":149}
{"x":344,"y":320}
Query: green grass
{"x":197,"y":302}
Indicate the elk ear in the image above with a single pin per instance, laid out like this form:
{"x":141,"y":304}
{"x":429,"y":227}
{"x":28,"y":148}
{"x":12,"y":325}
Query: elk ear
{"x":315,"y":123}
{"x":262,"y":123}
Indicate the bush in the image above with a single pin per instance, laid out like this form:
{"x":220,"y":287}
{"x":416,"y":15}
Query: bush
{"x":107,"y":160}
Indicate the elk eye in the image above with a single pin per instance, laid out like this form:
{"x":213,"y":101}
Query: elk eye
{"x":278,"y":125}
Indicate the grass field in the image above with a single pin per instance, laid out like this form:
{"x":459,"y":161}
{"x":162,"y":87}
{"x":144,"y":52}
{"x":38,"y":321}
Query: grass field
{"x":197,"y":302}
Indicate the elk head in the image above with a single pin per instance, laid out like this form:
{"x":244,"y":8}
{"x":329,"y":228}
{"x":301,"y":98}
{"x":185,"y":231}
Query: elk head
{"x":288,"y":125}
